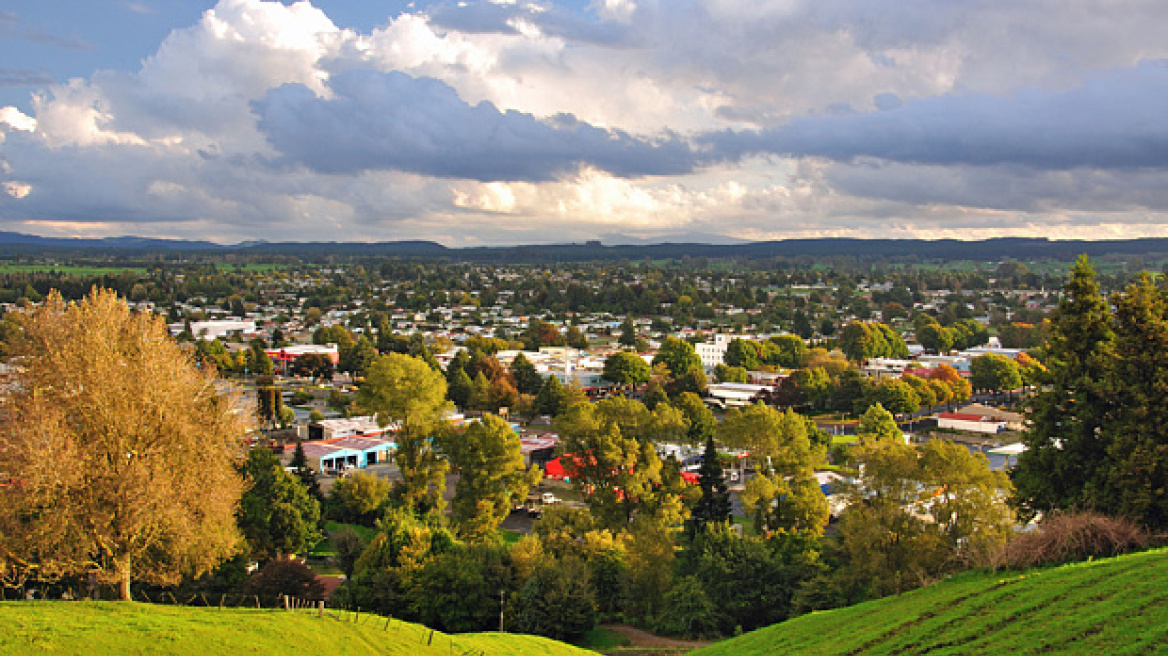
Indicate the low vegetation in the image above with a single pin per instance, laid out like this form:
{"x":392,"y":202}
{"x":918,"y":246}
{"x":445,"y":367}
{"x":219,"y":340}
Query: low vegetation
{"x":125,"y":628}
{"x":1111,"y":606}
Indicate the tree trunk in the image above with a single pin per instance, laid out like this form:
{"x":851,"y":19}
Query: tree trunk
{"x":123,"y":569}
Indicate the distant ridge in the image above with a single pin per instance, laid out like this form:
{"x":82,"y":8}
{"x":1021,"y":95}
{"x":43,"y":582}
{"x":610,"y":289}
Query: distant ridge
{"x":1018,"y":248}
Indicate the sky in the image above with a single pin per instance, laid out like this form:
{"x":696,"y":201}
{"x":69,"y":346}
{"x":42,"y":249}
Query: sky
{"x":517,"y":122}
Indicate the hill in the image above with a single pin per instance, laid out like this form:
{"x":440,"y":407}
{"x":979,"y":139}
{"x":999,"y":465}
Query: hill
{"x":76,"y":627}
{"x":1113,"y":606}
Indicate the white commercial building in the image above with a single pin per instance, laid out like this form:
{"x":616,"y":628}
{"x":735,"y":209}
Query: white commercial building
{"x":712,"y":354}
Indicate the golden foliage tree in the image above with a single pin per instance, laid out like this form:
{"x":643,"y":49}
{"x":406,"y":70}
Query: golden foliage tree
{"x":118,"y":453}
{"x":405,"y":393}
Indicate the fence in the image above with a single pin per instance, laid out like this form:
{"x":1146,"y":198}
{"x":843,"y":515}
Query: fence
{"x":400,"y":630}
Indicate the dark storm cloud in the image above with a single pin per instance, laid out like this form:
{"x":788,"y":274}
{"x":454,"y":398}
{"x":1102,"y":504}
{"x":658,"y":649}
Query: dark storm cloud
{"x":1114,"y":121}
{"x":391,"y":121}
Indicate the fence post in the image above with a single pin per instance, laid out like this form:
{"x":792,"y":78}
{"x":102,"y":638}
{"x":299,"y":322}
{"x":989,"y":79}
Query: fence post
{"x":285,"y":602}
{"x":257,"y":600}
{"x":320,"y":608}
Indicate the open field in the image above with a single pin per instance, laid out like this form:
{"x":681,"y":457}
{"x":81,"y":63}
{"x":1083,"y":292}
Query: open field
{"x":1113,"y":606}
{"x":104,"y":627}
{"x":80,"y":270}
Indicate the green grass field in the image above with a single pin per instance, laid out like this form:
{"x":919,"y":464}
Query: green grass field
{"x":108,"y":628}
{"x":83,"y":271}
{"x":1113,"y":606}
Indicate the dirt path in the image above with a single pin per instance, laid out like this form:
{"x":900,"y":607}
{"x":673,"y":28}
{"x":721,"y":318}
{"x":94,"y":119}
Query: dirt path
{"x":642,"y":638}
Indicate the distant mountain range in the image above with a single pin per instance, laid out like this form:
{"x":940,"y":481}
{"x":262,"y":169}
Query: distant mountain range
{"x":618,"y":247}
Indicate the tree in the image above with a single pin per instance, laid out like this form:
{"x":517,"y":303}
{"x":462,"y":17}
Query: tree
{"x":789,"y":350}
{"x":527,"y":379}
{"x":878,"y":425}
{"x":714,"y":505}
{"x":725,"y":374}
{"x":889,"y":544}
{"x":539,"y":334}
{"x":935,"y":337}
{"x":480,"y":393}
{"x":460,"y":388}
{"x":959,"y":388}
{"x":897,"y":396}
{"x":616,"y":472}
{"x":576,"y":338}
{"x":552,"y":397}
{"x":269,"y":400}
{"x":995,"y":373}
{"x":303,"y":471}
{"x":258,"y":361}
{"x":626,"y":369}
{"x":276,"y":514}
{"x":700,"y":421}
{"x":357,"y":498}
{"x":348,"y":545}
{"x":743,"y":353}
{"x":857,"y":342}
{"x":406,"y":392}
{"x":356,"y":360}
{"x":489,"y":461}
{"x":314,"y":365}
{"x":684,"y":366}
{"x":784,"y":495}
{"x":114,"y":429}
{"x":628,"y":336}
{"x":285,"y":577}
{"x":557,"y":602}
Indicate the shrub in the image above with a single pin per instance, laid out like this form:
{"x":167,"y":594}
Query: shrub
{"x":1070,"y":537}
{"x":285,"y":577}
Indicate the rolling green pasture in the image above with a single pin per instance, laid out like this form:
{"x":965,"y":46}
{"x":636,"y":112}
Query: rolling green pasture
{"x":1113,"y":606}
{"x":130,"y":628}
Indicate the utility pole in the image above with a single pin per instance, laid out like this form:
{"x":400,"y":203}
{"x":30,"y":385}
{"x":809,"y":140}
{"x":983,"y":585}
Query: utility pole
{"x":501,"y":593}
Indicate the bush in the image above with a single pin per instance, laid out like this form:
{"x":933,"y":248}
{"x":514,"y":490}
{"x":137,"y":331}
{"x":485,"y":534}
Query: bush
{"x":285,"y":577}
{"x":1070,"y":537}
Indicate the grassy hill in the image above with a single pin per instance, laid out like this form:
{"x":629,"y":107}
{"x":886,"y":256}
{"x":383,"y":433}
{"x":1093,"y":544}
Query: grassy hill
{"x":1113,"y":606}
{"x":99,"y":628}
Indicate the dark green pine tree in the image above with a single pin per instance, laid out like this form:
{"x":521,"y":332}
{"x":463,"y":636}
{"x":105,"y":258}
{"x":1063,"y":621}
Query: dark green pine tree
{"x":714,"y":505}
{"x":1064,"y":465}
{"x":527,"y":379}
{"x":304,"y":472}
{"x":1135,"y":483}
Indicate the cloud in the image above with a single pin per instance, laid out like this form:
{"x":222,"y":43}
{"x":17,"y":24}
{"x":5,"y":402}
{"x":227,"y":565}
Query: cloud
{"x":23,"y":77}
{"x":373,"y":120}
{"x":12,"y":26}
{"x":1115,"y":120}
{"x":546,"y":121}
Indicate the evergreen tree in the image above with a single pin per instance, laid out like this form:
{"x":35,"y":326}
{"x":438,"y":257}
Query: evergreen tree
{"x":1135,"y":484}
{"x":527,"y":379}
{"x":459,"y":388}
{"x":305,"y":473}
{"x":714,"y":505}
{"x":1065,"y":448}
{"x":551,"y":398}
{"x":628,"y":336}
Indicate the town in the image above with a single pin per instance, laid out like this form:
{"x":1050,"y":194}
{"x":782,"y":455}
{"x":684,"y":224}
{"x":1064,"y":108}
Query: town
{"x":577,"y":421}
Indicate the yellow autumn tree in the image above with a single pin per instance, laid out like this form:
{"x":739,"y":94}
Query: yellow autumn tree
{"x":118,"y":455}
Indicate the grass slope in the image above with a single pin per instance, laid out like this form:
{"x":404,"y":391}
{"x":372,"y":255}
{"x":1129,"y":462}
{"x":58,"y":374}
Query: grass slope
{"x":61,"y":627}
{"x":1113,"y":606}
